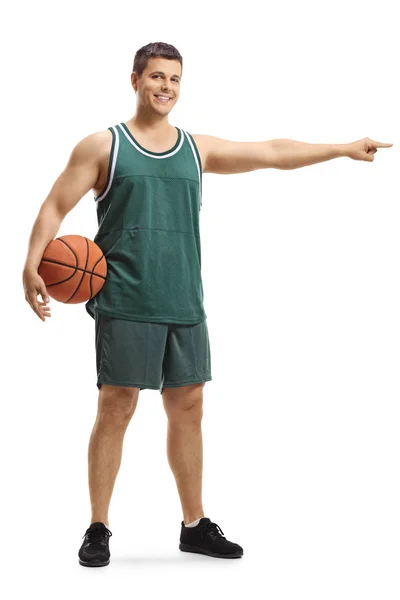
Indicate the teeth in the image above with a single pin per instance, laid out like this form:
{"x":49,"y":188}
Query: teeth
{"x":163,"y":97}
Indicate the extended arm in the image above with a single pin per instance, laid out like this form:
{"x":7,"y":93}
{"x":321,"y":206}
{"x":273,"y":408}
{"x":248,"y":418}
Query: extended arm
{"x":227,"y":157}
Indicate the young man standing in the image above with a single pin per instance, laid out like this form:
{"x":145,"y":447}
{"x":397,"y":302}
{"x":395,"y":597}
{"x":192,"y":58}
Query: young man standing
{"x":150,"y":323}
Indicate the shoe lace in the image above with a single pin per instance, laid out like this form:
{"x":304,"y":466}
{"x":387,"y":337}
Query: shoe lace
{"x":213,"y":530}
{"x":97,"y":534}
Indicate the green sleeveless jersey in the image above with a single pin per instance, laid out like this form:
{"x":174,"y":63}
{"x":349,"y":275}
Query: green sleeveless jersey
{"x":148,"y":217}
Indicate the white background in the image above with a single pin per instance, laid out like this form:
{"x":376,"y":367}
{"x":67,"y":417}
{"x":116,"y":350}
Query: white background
{"x":301,"y":289}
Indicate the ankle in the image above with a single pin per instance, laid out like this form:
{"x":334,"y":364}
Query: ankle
{"x":190,"y":517}
{"x":100,"y":520}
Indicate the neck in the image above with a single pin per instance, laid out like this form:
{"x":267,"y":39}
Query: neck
{"x":144,"y":121}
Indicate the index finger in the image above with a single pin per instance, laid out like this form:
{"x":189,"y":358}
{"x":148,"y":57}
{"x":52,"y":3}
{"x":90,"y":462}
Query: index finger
{"x":381,"y":144}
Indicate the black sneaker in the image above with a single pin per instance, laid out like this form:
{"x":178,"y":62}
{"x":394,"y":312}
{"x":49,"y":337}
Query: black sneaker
{"x":94,"y":551}
{"x":206,"y":538}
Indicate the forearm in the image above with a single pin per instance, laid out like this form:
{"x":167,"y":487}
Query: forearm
{"x":43,"y":232}
{"x":292,"y":154}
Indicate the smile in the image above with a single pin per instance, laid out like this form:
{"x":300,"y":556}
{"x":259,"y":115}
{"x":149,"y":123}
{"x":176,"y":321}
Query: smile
{"x":163,"y":99}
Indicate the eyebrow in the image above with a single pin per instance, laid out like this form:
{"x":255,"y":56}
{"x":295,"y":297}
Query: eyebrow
{"x":161,"y":73}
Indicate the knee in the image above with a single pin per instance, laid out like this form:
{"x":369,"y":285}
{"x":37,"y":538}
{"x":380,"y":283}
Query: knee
{"x":117,"y":404}
{"x":184,"y":404}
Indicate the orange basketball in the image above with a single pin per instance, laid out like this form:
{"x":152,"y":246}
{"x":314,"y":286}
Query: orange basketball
{"x":73,"y":268}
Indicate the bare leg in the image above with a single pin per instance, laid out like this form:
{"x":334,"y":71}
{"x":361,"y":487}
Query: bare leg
{"x":184,"y":408}
{"x":116,"y":405}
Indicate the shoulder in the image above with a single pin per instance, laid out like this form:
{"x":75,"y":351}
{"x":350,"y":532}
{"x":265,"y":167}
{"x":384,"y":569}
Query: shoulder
{"x":203,"y":143}
{"x":96,"y":140}
{"x":201,"y":139}
{"x":94,"y":145}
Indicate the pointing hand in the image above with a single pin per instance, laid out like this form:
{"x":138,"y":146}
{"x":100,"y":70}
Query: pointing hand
{"x":364,"y":149}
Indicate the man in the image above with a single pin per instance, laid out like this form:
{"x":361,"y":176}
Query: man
{"x":150,"y":323}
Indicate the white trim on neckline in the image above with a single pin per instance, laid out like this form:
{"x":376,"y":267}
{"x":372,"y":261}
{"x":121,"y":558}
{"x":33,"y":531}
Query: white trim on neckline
{"x":148,"y":153}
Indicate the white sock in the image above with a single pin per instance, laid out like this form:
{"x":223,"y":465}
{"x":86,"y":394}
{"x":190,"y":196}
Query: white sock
{"x":193,"y":524}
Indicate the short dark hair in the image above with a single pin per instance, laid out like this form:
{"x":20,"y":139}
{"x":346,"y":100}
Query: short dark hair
{"x":154,"y":49}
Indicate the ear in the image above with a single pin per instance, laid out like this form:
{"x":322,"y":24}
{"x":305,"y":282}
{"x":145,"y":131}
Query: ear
{"x":134,"y":80}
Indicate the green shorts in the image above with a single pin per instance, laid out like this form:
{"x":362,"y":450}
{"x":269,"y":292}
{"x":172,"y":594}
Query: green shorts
{"x":151,"y":355}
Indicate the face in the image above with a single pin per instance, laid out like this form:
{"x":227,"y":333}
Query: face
{"x":160,"y":77}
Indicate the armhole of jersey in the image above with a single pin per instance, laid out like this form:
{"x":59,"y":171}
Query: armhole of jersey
{"x":111,"y":164}
{"x":196,"y":154}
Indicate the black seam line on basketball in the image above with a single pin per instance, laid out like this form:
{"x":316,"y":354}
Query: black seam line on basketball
{"x":71,"y":267}
{"x":72,"y":250}
{"x":83,"y":274}
{"x":94,"y":268}
{"x":76,"y":265}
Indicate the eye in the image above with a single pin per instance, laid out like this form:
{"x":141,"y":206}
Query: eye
{"x":177,"y":80}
